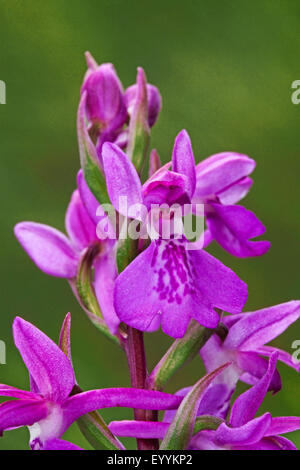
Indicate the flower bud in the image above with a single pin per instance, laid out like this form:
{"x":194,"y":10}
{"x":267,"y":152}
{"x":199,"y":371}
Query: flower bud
{"x":105,"y":104}
{"x":153,"y":99}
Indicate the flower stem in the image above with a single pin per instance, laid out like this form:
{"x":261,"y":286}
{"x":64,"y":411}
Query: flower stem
{"x":135,"y":351}
{"x":181,"y":351}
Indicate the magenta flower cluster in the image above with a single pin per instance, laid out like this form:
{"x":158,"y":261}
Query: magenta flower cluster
{"x":131,"y":285}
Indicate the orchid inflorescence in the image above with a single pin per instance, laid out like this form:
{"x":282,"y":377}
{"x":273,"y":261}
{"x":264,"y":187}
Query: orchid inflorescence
{"x":130,"y":277}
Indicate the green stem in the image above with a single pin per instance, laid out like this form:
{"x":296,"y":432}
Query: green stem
{"x":181,"y":351}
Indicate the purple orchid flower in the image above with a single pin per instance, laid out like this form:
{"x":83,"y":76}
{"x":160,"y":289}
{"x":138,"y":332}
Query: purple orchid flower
{"x":221,"y":181}
{"x":49,"y":409}
{"x":167,"y":284}
{"x":108,"y":107}
{"x":243,"y":431}
{"x":59,"y":256}
{"x":244,"y":346}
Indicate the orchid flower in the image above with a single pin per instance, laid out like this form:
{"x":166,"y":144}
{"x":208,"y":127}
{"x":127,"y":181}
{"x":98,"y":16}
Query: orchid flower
{"x":221,"y":181}
{"x":242,"y":432}
{"x":108,"y":107}
{"x":58,"y":255}
{"x":245,"y":344}
{"x":50,"y":408}
{"x":167,"y":284}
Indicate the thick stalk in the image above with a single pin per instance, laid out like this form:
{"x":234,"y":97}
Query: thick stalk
{"x":135,"y":351}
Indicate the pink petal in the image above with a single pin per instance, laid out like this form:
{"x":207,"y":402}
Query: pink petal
{"x":254,"y":329}
{"x":85,"y":402}
{"x":49,"y":249}
{"x":254,"y":368}
{"x":60,"y":444}
{"x":283,"y":356}
{"x":218,"y":172}
{"x":249,"y":433}
{"x":105,"y":276}
{"x":81,"y":229}
{"x":8,"y":391}
{"x":48,"y":365}
{"x":183,"y":160}
{"x":139,"y":429}
{"x":233,"y":227}
{"x":282,"y":425}
{"x":170,"y":285}
{"x":22,"y":412}
{"x":121,"y":178}
{"x":247,"y":404}
{"x":235,"y":192}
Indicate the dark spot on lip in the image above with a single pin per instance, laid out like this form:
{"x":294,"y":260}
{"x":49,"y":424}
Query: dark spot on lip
{"x":173,"y":273}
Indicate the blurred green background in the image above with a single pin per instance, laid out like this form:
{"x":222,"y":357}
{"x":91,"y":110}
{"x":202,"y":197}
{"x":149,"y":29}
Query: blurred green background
{"x":225,"y":70}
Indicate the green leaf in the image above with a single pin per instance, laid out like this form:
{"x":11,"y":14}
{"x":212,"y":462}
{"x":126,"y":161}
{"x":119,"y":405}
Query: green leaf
{"x":182,"y":427}
{"x":181,"y":351}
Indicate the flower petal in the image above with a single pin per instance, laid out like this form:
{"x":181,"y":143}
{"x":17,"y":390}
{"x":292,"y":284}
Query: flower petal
{"x":254,"y":368}
{"x":235,"y":192}
{"x":183,"y":160}
{"x":105,"y":101}
{"x":139,"y":429}
{"x":49,"y":366}
{"x":204,"y":440}
{"x":60,"y":444}
{"x":154,"y":162}
{"x":269,"y":443}
{"x":218,"y":172}
{"x":256,"y":328}
{"x":153,"y":99}
{"x":21,"y":413}
{"x":283,"y":424}
{"x":219,"y":284}
{"x":247,"y":404}
{"x":233,"y":227}
{"x":283,"y":356}
{"x":178,"y":285}
{"x":121,"y":178}
{"x":85,"y":402}
{"x":250,"y":433}
{"x":8,"y":391}
{"x":105,"y":275}
{"x":166,"y":187}
{"x":92,"y":206}
{"x":49,"y":249}
{"x":213,"y":355}
{"x":79,"y":226}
